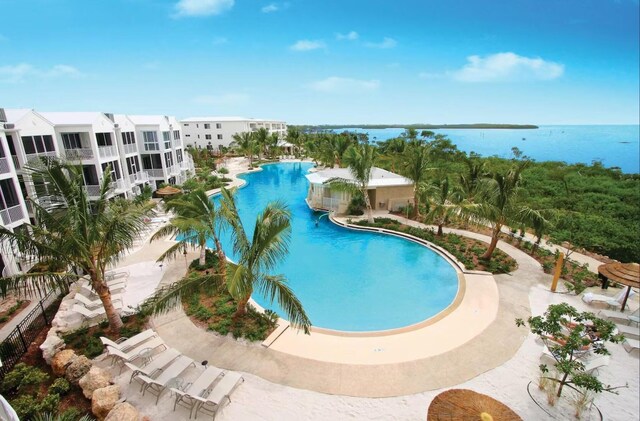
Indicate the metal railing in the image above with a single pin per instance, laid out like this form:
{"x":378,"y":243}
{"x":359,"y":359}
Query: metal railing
{"x":17,"y":342}
{"x":119,"y":185}
{"x":93,"y":190}
{"x":4,"y":166}
{"x":12,"y":214}
{"x":130,"y":148}
{"x":85,"y":153}
{"x":31,"y":156}
{"x":107,"y":151}
{"x":158,"y":173}
{"x":139,"y":177}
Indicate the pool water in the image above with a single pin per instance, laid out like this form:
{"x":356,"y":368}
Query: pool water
{"x":346,"y":280}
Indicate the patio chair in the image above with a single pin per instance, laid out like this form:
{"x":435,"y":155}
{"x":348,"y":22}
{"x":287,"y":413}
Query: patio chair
{"x":632,"y":346}
{"x":612,"y":302}
{"x":143,"y":351}
{"x":113,"y":275}
{"x":89,"y":315}
{"x":125,"y":344}
{"x":590,"y":364}
{"x":630,"y":332}
{"x":155,"y":366}
{"x":219,"y":395}
{"x":199,"y":387}
{"x":92,"y":304}
{"x":168,"y":378}
{"x":619,"y":317}
{"x":114,"y":287}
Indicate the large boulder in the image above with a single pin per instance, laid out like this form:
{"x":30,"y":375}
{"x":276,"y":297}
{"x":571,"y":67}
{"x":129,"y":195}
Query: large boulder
{"x":77,"y":369}
{"x":123,"y":412}
{"x":103,"y":400}
{"x":96,"y":378}
{"x":62,"y":360}
{"x":51,"y":346}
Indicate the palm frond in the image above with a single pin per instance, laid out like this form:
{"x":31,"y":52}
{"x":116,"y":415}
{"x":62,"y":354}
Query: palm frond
{"x":276,"y":288}
{"x":169,"y":297}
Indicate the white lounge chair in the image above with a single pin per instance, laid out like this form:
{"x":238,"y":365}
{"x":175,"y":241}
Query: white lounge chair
{"x":200,"y":387}
{"x":629,"y":332}
{"x":612,"y":302}
{"x":617,"y":316}
{"x":632,"y":346}
{"x":113,"y":275}
{"x":143,"y":351}
{"x":590,"y":364}
{"x":125,"y":344}
{"x":156,"y":365}
{"x":115,"y":287}
{"x":88,"y":315}
{"x":168,"y":377}
{"x":92,"y":304}
{"x":219,"y":395}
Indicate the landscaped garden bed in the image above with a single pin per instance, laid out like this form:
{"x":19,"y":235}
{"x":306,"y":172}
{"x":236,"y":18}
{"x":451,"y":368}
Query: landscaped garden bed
{"x":10,"y":308}
{"x":467,"y":250}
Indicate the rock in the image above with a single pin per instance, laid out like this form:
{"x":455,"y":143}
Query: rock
{"x":96,"y":378}
{"x":51,"y":346}
{"x":62,"y":360}
{"x":103,"y":400}
{"x":78,"y":368}
{"x":123,"y":412}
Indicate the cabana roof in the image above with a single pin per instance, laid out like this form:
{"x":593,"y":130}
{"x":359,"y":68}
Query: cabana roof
{"x":622,"y":273}
{"x":379,"y":177}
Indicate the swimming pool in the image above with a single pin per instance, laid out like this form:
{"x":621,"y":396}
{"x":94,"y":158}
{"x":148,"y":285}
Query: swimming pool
{"x":346,"y":280}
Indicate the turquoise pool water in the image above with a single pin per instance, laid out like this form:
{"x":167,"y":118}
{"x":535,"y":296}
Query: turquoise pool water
{"x":346,"y":280}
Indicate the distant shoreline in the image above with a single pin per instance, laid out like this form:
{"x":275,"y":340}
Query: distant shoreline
{"x":417,"y":126}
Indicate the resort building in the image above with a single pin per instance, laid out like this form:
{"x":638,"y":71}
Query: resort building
{"x":213,"y":132}
{"x":386,"y":190}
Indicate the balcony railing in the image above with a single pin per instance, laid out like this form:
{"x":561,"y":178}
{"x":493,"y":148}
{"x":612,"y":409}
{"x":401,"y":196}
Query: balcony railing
{"x":177,"y":142}
{"x":107,"y":151}
{"x":156,"y":173}
{"x":4,"y":166}
{"x":85,"y":153}
{"x":130,"y":148}
{"x":11,"y":215}
{"x":174,"y":169}
{"x":139,"y":177}
{"x":119,"y":185}
{"x":31,"y":156}
{"x":92,"y":191}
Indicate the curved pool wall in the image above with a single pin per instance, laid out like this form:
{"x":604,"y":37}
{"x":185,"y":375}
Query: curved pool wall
{"x":346,"y":280}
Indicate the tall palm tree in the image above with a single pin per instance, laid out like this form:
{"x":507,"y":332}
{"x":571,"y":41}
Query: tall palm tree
{"x":75,"y":232}
{"x":246,"y":144}
{"x":470,"y":181}
{"x":260,"y":255}
{"x":261,"y":137}
{"x":295,"y":137}
{"x":444,"y":203}
{"x":272,"y":145}
{"x":415,"y":163}
{"x":499,"y":205}
{"x":197,"y":219}
{"x":360,"y":158}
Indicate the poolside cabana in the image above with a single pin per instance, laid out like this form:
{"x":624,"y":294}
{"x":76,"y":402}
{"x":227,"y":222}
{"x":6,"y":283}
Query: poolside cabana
{"x":386,"y":190}
{"x":627,"y":274}
{"x":167,"y":191}
{"x":464,"y":404}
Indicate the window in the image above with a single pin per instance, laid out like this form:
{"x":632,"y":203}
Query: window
{"x":207,"y":136}
{"x":2,"y":155}
{"x":219,"y":137}
{"x":115,"y":169}
{"x":187,"y":135}
{"x":128,"y":138}
{"x":9,"y":197}
{"x":12,"y":147}
{"x":103,"y":139}
{"x":207,"y":126}
{"x":179,"y":155}
{"x":151,"y":162}
{"x":168,"y":159}
{"x":176,"y":135}
{"x":218,"y":125}
{"x":186,"y":125}
{"x":71,"y":141}
{"x":38,"y":144}
{"x":150,"y":141}
{"x":133,"y":165}
{"x":166,"y":136}
{"x":90,"y":175}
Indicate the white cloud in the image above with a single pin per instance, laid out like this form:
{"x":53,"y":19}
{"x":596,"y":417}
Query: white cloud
{"x":202,"y":7}
{"x":219,"y":40}
{"x":385,"y":43}
{"x":270,"y":8}
{"x":335,"y":84}
{"x":222,"y":100}
{"x":351,"y":36}
{"x":22,"y":71}
{"x":308,"y":45}
{"x":507,"y":67}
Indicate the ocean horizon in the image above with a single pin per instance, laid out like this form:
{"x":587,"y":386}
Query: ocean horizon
{"x":614,"y":145}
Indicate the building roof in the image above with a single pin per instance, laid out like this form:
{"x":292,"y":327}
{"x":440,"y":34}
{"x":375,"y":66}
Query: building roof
{"x":227,"y":119}
{"x":379,"y":177}
{"x":15,"y":114}
{"x":72,"y":118}
{"x":152,"y":120}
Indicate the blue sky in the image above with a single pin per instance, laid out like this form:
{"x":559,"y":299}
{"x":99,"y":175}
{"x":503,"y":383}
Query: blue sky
{"x":326,"y":61}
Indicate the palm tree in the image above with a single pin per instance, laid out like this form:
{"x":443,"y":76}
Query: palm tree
{"x":260,"y":255}
{"x":499,"y":203}
{"x":295,"y":138}
{"x":471,"y":180}
{"x":272,"y":145}
{"x":74,"y":232}
{"x":246,"y":144}
{"x":443,"y":203}
{"x":197,"y":219}
{"x":261,"y":137}
{"x":415,"y":161}
{"x":360,"y":158}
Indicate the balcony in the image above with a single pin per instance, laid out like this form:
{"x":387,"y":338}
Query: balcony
{"x":92,"y":190}
{"x":36,"y":155}
{"x":174,"y":169}
{"x":177,"y":143}
{"x":130,"y":148}
{"x":11,"y":215}
{"x":108,"y":151}
{"x":155,"y":173}
{"x":119,"y":185}
{"x":139,"y":178}
{"x":5,"y":168}
{"x":78,"y":154}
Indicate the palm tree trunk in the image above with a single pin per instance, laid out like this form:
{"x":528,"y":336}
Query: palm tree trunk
{"x":203,"y":255}
{"x":493,"y":244}
{"x":367,"y":203}
{"x":416,"y":204}
{"x":222,"y":260}
{"x":440,"y":233}
{"x":101,"y":288}
{"x":242,"y":307}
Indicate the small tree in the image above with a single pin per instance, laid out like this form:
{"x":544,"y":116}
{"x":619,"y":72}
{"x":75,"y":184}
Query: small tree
{"x":567,"y":332}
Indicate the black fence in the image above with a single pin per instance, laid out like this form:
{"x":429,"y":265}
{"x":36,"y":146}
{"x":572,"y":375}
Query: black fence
{"x":17,"y":342}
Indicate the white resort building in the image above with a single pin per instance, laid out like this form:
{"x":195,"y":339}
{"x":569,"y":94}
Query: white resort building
{"x":213,"y":132}
{"x":387,"y":190}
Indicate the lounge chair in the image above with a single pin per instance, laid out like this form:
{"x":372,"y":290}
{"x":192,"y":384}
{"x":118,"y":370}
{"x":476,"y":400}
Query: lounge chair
{"x":632,"y":346}
{"x":168,"y":377}
{"x":219,"y":395}
{"x":199,"y":387}
{"x":143,"y":351}
{"x":88,"y":315}
{"x":619,"y":317}
{"x":92,"y":304}
{"x":114,"y":287}
{"x":156,"y":365}
{"x":113,"y":275}
{"x":125,"y":344}
{"x":590,"y":364}
{"x":629,"y":332}
{"x":611,"y":302}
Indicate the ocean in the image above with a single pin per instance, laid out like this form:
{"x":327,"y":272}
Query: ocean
{"x":614,"y":146}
